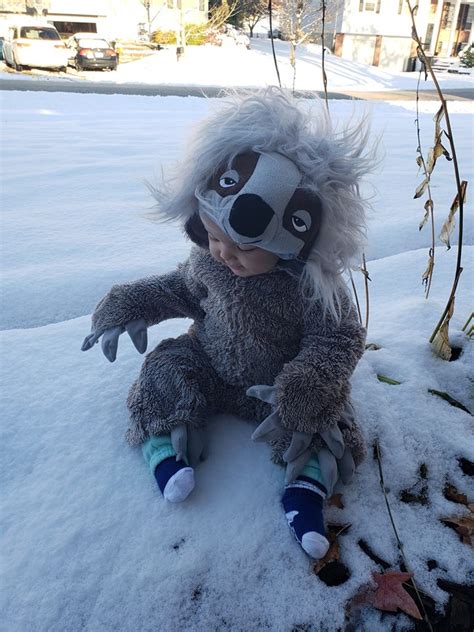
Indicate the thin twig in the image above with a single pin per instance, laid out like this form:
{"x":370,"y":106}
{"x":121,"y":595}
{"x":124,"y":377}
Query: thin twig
{"x":325,"y":79}
{"x":399,"y":542}
{"x":449,"y":134}
{"x":366,"y":285}
{"x":270,"y":15}
{"x":355,"y":296}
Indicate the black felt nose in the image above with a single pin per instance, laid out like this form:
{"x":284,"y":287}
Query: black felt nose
{"x":250,"y":215}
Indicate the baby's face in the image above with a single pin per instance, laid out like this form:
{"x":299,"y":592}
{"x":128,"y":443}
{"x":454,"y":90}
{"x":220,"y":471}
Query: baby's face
{"x":244,"y":261}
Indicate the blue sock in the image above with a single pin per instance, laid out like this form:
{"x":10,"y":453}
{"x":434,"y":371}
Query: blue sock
{"x":175,"y":478}
{"x":303,"y":504}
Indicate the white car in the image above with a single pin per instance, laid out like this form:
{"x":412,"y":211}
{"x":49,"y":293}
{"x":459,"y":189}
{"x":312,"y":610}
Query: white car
{"x":34,"y":45}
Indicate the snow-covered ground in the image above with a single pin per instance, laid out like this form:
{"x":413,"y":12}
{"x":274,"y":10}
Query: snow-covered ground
{"x":88,"y":543}
{"x":234,"y":65}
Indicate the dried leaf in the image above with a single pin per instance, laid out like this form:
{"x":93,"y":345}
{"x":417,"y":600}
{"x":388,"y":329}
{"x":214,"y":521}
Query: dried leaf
{"x":387,"y":380}
{"x":441,"y":345}
{"x":331,"y":556}
{"x":454,"y":495}
{"x":463,"y":525}
{"x":437,"y":119}
{"x":336,"y":501}
{"x":420,"y":161}
{"x":421,"y":188}
{"x":449,"y":224}
{"x":429,"y":207}
{"x":449,"y":399}
{"x":372,"y":346}
{"x":429,"y":270}
{"x":389,"y":594}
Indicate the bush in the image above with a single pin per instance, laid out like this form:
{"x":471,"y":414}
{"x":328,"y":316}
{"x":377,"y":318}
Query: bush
{"x":163,"y":37}
{"x":196,"y":34}
{"x":467,"y":58}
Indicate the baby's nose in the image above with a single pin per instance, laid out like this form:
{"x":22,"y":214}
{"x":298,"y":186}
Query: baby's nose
{"x":250,"y":215}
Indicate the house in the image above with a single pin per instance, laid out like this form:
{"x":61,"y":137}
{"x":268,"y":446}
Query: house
{"x":378,"y":32}
{"x":113,"y":19}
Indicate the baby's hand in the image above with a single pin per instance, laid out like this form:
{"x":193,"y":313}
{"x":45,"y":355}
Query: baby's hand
{"x":136,"y":329}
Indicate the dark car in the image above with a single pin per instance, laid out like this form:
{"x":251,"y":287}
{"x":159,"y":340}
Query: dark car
{"x":89,"y":51}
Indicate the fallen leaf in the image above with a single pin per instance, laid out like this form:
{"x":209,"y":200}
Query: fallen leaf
{"x":336,"y":501}
{"x":447,"y":398}
{"x":463,"y":525}
{"x":389,"y":594}
{"x":372,"y":346}
{"x":454,"y":495}
{"x":387,"y":380}
{"x":331,"y":556}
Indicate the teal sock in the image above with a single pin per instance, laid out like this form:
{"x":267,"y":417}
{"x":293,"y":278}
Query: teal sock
{"x":156,"y":450}
{"x":312,"y":469}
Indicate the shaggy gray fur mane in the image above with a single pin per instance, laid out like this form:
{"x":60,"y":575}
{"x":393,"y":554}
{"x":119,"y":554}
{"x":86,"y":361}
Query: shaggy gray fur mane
{"x":332,"y":163}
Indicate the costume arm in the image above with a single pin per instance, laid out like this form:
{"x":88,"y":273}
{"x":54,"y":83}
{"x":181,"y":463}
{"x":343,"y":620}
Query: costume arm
{"x":153,"y":299}
{"x":313,"y":388}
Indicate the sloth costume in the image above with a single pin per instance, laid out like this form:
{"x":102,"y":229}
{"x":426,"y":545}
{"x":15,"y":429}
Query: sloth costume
{"x":277,"y":348}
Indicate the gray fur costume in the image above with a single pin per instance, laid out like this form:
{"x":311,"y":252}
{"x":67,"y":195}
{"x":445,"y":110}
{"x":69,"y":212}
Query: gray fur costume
{"x":294,"y":328}
{"x":246,"y":331}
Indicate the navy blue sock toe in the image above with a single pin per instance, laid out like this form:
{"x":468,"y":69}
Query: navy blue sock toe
{"x":166,"y":469}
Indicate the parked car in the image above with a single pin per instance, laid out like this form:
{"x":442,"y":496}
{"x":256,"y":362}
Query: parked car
{"x":34,"y":45}
{"x":88,"y":51}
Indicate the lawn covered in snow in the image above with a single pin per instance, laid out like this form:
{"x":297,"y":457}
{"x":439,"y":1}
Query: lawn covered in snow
{"x":88,"y":543}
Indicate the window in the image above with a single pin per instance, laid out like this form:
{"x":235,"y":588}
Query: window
{"x":39,"y":33}
{"x":368,"y":5}
{"x":428,"y":36}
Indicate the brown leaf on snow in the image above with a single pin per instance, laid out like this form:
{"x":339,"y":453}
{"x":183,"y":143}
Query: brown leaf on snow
{"x":331,"y":556}
{"x":389,"y":594}
{"x":441,"y":345}
{"x":454,"y":495}
{"x":463,"y":525}
{"x":336,"y":501}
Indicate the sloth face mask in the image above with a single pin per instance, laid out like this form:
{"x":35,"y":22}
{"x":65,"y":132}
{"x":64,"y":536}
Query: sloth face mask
{"x":259,"y":202}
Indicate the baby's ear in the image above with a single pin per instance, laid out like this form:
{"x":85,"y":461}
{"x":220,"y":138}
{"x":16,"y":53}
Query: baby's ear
{"x":196,"y":232}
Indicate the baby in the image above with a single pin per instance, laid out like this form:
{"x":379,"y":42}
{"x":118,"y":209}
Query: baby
{"x":269,"y":194}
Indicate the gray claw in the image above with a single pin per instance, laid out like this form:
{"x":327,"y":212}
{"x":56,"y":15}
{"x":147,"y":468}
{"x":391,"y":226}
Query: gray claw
{"x":346,"y":466}
{"x":89,"y":342}
{"x":263,"y":392}
{"x":334,"y":440}
{"x":269,"y":429}
{"x":137,"y":331}
{"x":110,"y":342}
{"x":328,"y":466}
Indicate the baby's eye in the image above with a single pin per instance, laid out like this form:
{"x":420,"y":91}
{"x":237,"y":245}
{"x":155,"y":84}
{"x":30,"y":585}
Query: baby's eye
{"x":229,"y":179}
{"x":301,"y":221}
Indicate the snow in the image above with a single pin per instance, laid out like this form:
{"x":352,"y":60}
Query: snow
{"x":236,"y":66}
{"x":88,"y":543}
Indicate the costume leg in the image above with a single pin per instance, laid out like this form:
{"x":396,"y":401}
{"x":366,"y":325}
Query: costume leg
{"x":176,"y":385}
